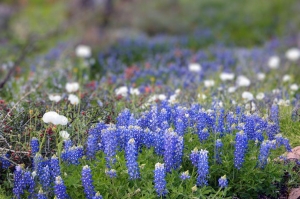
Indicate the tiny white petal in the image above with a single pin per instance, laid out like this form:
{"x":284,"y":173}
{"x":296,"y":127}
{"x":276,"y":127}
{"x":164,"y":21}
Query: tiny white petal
{"x":83,"y":51}
{"x":260,"y":96}
{"x":123,"y":91}
{"x":261,"y":76}
{"x":226,"y":76}
{"x":194,"y":67}
{"x":286,"y":78}
{"x":209,"y":83}
{"x":54,"y":98}
{"x":247,"y":96}
{"x":294,"y":87}
{"x":242,"y":81}
{"x":72,"y":87}
{"x":293,"y":54}
{"x":274,"y":62}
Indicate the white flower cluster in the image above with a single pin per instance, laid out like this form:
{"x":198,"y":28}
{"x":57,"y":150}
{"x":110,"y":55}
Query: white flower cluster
{"x":54,"y":118}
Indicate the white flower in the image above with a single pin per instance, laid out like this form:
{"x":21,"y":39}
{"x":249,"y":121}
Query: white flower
{"x":134,"y":91}
{"x":162,"y":97}
{"x":54,"y":118}
{"x":64,"y":135}
{"x":194,"y":67}
{"x":247,"y":96}
{"x":293,"y":54}
{"x":260,"y":96}
{"x":226,"y":76}
{"x":83,"y":51}
{"x":172,"y":99}
{"x":251,"y":106}
{"x":274,"y":62}
{"x":123,"y":90}
{"x":73,"y":99}
{"x":233,"y":102}
{"x":276,"y":91}
{"x":231,"y":89}
{"x":283,"y":102}
{"x":286,"y":78}
{"x":202,"y":96}
{"x":294,"y":87}
{"x":33,"y":174}
{"x":261,"y":76}
{"x":242,"y":81}
{"x":177,"y":91}
{"x":72,"y":87}
{"x":209,"y":83}
{"x":54,"y":98}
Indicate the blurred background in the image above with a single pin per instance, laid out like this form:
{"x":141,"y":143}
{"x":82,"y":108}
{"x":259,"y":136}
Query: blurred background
{"x":99,"y":22}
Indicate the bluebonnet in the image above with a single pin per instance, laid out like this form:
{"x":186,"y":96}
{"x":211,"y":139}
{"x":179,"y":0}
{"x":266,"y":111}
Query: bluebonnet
{"x":41,"y":195}
{"x":87,"y":182}
{"x":19,"y":183}
{"x":158,"y":139}
{"x":45,"y":178}
{"x":259,"y":136}
{"x":123,"y":118}
{"x":60,"y":188}
{"x":218,"y":152}
{"x":110,"y":142}
{"x":148,"y":138}
{"x":34,"y":143}
{"x":159,"y":180}
{"x":272,"y":130}
{"x":231,"y":121}
{"x":220,"y":126}
{"x":173,"y":150}
{"x":29,"y":183}
{"x":249,"y":127}
{"x":72,"y":155}
{"x":68,"y":144}
{"x":223,"y":182}
{"x":241,"y":142}
{"x":37,"y":159}
{"x":112,"y":173}
{"x":203,"y":134}
{"x":91,"y":147}
{"x":202,"y":168}
{"x":274,"y":114}
{"x":264,"y":153}
{"x":5,"y":161}
{"x":54,"y":167}
{"x":194,"y":157}
{"x":97,"y":196}
{"x":185,"y":175}
{"x":283,"y":141}
{"x":131,"y":159}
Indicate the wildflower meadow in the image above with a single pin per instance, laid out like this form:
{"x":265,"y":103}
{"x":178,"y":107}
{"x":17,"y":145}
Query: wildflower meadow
{"x":163,"y":116}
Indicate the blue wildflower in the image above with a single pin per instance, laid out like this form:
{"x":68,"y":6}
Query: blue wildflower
{"x":223,"y":182}
{"x":45,"y":178}
{"x":87,"y":182}
{"x":185,"y":175}
{"x":112,"y":173}
{"x":264,"y":153}
{"x":272,"y":130}
{"x":110,"y":142}
{"x":203,"y":134}
{"x":91,"y":147}
{"x":159,"y":180}
{"x":41,"y":195}
{"x":194,"y":157}
{"x":274,"y":114}
{"x":29,"y":183}
{"x":60,"y":188}
{"x":54,"y":167}
{"x":173,"y":150}
{"x":97,"y":196}
{"x":35,"y":147}
{"x":19,"y":183}
{"x":202,"y":168}
{"x":5,"y":161}
{"x":249,"y":127}
{"x":240,"y":149}
{"x":131,"y":155}
{"x":218,"y":152}
{"x":68,"y":144}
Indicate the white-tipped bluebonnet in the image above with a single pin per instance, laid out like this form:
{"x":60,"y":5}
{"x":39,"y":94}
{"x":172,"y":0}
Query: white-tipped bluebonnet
{"x":54,"y":167}
{"x":60,"y":190}
{"x":241,"y":142}
{"x":112,"y":173}
{"x":223,"y":182}
{"x":29,"y":183}
{"x":231,"y":122}
{"x":72,"y":155}
{"x":264,"y":152}
{"x":87,"y":182}
{"x":203,"y":134}
{"x":41,"y":195}
{"x":202,"y":168}
{"x":67,"y":144}
{"x":97,"y":196}
{"x":194,"y":157}
{"x":123,"y":118}
{"x":148,"y":138}
{"x":185,"y":175}
{"x":19,"y":183}
{"x":110,"y":142}
{"x":159,"y":180}
{"x":35,"y":147}
{"x":220,"y":126}
{"x":131,"y":155}
{"x":218,"y":151}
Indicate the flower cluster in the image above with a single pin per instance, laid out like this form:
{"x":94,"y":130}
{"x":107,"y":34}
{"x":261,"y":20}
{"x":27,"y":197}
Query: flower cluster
{"x":159,"y":179}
